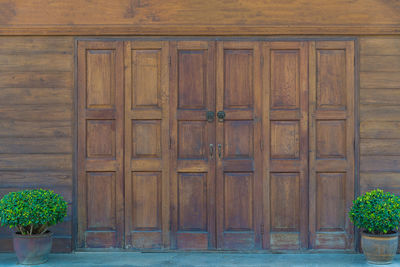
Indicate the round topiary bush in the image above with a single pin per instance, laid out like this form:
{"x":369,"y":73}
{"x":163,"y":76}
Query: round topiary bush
{"x":32,"y":212}
{"x":376,"y":212}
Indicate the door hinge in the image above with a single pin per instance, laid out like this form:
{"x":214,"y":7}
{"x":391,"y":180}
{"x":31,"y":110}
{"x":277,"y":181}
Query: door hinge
{"x":262,"y":144}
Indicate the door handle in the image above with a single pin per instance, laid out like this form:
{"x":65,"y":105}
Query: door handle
{"x":221,"y":116}
{"x":211,"y":150}
{"x":219,"y":150}
{"x":210,"y":116}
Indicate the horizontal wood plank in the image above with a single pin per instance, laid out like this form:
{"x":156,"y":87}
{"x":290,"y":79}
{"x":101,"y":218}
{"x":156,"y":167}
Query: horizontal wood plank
{"x":36,"y":113}
{"x":35,"y":96}
{"x":380,"y":96}
{"x":36,"y":79}
{"x":31,"y":162}
{"x":36,"y":145}
{"x":379,"y":46}
{"x":379,"y":112}
{"x":380,"y":63}
{"x":380,"y":179}
{"x":379,"y":80}
{"x":195,"y":17}
{"x":36,"y":178}
{"x":375,"y":129}
{"x":36,"y":45}
{"x":37,"y":62}
{"x":12,"y":128}
{"x":380,"y":163}
{"x":384,"y":147}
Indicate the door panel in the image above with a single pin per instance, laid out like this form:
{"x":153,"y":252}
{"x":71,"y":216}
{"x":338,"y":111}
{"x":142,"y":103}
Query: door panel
{"x":192,"y":165}
{"x":285,"y":135}
{"x":331,"y":144}
{"x":146,"y":145}
{"x":238,"y":138}
{"x":100,"y":144}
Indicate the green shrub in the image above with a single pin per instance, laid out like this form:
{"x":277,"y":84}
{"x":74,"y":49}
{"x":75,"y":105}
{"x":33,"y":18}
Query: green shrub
{"x":376,"y":212}
{"x":32,"y":212}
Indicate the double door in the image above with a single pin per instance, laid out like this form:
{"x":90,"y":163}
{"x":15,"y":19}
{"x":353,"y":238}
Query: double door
{"x":215,"y":144}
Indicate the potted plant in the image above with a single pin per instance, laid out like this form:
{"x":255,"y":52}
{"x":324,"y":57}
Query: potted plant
{"x":377,"y":214}
{"x":31,"y":213}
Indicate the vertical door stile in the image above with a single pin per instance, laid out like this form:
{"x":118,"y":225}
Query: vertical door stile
{"x":312,"y":70}
{"x":173,"y":103}
{"x":266,"y":77}
{"x":127,"y":137}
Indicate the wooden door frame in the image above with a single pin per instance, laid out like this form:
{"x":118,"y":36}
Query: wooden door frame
{"x":354,"y":38}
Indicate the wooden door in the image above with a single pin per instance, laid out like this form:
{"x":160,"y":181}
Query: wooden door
{"x":331,"y":144}
{"x":285,"y":135}
{"x":100,"y":144}
{"x":146,"y":145}
{"x":238,"y":145}
{"x":192,"y":145}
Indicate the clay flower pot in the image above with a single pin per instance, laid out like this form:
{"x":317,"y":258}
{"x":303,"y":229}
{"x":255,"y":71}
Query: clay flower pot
{"x":379,"y":249}
{"x":32,"y":249}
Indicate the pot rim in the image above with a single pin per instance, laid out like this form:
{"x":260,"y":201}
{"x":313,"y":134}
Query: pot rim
{"x":45,"y":235}
{"x":396,"y":233}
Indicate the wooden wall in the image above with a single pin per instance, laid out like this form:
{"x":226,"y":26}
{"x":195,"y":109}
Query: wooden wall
{"x":380,"y":114}
{"x":37,"y":118}
{"x":199,"y":17}
{"x":36,"y":121}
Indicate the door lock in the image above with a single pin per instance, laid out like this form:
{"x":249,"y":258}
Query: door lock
{"x":210,"y":116}
{"x":211,"y":151}
{"x":221,"y":116}
{"x":219,"y":150}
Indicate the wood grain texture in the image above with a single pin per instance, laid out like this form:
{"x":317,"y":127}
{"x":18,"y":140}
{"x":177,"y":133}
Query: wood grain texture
{"x":178,"y":17}
{"x":100,"y":145}
{"x":379,"y":113}
{"x":331,"y":144}
{"x":36,"y":120}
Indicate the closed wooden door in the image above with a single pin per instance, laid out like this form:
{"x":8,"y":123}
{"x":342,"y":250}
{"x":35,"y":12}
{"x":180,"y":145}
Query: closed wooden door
{"x":192,"y":145}
{"x":331,"y":144}
{"x":100,"y":144}
{"x":146,"y":145}
{"x":230,"y":145}
{"x":285,"y":128}
{"x":238,"y":145}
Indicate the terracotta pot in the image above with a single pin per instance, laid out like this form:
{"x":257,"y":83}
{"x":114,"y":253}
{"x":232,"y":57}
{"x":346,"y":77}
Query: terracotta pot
{"x":34,"y":249}
{"x":379,"y":249}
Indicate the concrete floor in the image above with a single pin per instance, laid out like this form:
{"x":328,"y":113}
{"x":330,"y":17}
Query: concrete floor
{"x":127,"y":259}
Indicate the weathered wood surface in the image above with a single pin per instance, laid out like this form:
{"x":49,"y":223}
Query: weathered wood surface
{"x":198,"y":17}
{"x":380,"y":114}
{"x":36,"y":121}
